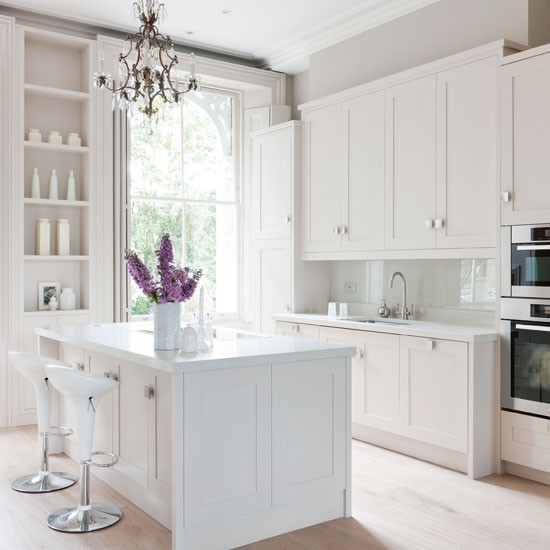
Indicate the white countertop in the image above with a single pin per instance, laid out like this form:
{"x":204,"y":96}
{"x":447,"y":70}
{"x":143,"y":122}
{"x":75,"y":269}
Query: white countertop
{"x":134,"y":342}
{"x":463,"y":333}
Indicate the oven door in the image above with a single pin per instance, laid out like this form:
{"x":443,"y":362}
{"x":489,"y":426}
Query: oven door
{"x":525,"y":367}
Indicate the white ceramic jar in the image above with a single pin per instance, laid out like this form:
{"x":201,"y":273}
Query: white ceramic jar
{"x":62,"y":237}
{"x":188,"y":340}
{"x":42,"y":246}
{"x":74,"y":139}
{"x":35,"y":135}
{"x":67,"y":300}
{"x":54,"y":137}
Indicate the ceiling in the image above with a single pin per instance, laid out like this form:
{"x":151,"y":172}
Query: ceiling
{"x":279,"y":34}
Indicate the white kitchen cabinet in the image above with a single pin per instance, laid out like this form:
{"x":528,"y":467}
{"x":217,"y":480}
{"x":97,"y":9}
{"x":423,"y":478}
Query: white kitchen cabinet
{"x":322,"y":194}
{"x":466,"y":156}
{"x":309,"y":429}
{"x":282,"y":281}
{"x":411,"y":164}
{"x":525,"y":440}
{"x":525,"y":138}
{"x":434,"y":391}
{"x":298,"y":330}
{"x":344,"y":176}
{"x":377,"y":384}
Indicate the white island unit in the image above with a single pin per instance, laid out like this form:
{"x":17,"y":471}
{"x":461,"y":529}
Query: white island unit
{"x":240,"y":443}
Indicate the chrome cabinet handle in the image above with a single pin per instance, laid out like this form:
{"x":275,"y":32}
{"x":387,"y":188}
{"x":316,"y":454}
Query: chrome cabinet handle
{"x":148,"y":392}
{"x":343,"y":230}
{"x":533,"y":247}
{"x":360,"y":353}
{"x":111,"y":375}
{"x":506,"y":196}
{"x":429,"y":224}
{"x":80,"y":366}
{"x":295,"y":328}
{"x":429,"y":345}
{"x":537,"y":328}
{"x":336,"y":230}
{"x":439,"y":222}
{"x":288,"y":218}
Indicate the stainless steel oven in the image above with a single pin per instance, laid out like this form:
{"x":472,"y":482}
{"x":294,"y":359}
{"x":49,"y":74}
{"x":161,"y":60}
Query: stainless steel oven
{"x":525,"y":261}
{"x":525,"y":355}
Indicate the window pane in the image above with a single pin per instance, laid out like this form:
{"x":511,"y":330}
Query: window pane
{"x":211,"y":244}
{"x":155,"y":167}
{"x":149,"y":221}
{"x":207,"y":159}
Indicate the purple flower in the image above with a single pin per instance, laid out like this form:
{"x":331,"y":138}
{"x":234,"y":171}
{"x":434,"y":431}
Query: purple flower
{"x":174,"y":285}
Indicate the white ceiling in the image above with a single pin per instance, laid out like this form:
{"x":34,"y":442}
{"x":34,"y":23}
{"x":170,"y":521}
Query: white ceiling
{"x":283,"y":32}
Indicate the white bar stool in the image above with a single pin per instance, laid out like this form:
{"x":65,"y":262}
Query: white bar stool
{"x":32,"y":368}
{"x":85,"y":390}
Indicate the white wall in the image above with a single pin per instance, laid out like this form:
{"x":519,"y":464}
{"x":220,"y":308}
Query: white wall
{"x":300,"y":92}
{"x":438,"y":30}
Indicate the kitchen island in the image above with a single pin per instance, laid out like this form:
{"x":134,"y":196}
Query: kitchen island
{"x":245,"y":441}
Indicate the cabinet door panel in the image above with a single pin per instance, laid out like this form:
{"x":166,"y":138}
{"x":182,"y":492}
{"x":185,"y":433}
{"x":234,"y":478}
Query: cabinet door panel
{"x":323,"y":179}
{"x":467,"y":140}
{"x":273,"y":172}
{"x":227,"y":441}
{"x":378,"y":383}
{"x":273,"y":282}
{"x":434,"y":391}
{"x":309,"y":429}
{"x":525,"y":140}
{"x":363,"y":173}
{"x":410,"y":164}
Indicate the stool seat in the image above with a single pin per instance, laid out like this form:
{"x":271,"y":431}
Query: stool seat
{"x":85,"y":390}
{"x":32,"y":367}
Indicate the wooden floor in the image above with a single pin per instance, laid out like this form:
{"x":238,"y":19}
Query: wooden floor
{"x":398,"y":503}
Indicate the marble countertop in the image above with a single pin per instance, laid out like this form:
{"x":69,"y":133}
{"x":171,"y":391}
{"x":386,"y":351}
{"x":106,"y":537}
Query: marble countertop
{"x":463,"y":333}
{"x":134,"y":342}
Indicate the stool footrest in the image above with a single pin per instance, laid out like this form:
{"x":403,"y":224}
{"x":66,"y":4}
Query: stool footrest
{"x":59,"y":431}
{"x":114,"y":459}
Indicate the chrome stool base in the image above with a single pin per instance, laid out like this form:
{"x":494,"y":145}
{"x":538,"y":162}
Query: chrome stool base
{"x":82,"y":519}
{"x":43,"y":483}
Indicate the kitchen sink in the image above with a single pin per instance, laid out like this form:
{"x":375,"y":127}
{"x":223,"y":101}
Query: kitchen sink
{"x":381,"y":322}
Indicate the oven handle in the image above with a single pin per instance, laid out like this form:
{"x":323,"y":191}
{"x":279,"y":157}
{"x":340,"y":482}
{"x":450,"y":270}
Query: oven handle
{"x":538,"y":328}
{"x":533,"y":247}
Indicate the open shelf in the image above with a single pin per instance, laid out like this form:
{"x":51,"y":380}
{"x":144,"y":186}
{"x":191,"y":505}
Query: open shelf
{"x":42,"y":146}
{"x":50,"y":313}
{"x":50,"y":258}
{"x":51,"y":202}
{"x":47,"y":91}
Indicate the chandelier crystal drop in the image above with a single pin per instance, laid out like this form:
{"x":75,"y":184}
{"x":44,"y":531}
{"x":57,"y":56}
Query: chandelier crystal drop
{"x":147,"y":66}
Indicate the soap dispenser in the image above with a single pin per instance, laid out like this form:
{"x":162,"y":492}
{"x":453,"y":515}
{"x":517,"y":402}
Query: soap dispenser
{"x":384,"y":310}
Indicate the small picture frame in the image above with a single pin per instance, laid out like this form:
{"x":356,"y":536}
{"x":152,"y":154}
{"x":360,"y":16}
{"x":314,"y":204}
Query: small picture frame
{"x":45,"y":292}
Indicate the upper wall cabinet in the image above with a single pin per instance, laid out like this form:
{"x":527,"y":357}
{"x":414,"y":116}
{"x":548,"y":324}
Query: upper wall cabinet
{"x":410,"y":164}
{"x":344,"y":176}
{"x":525,"y":138}
{"x":412,"y":161}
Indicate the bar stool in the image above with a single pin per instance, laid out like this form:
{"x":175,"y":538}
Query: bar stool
{"x":85,"y":390}
{"x":32,"y":368}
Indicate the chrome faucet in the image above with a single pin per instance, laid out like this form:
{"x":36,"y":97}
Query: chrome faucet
{"x":404,"y":310}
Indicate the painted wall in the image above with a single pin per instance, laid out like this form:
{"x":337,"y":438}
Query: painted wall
{"x":438,"y":30}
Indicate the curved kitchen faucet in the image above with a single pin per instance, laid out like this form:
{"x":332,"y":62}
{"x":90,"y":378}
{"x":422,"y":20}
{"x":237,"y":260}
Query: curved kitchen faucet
{"x":404,"y":310}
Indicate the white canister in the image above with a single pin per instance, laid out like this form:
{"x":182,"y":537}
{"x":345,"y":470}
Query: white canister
{"x":42,"y":237}
{"x":35,"y":135}
{"x":55,"y":138}
{"x":74,"y":139}
{"x":53,"y":186}
{"x":67,"y":299}
{"x":62,"y":237}
{"x":71,"y":187}
{"x":53,"y":303}
{"x":35,"y":189}
{"x":188,"y":340}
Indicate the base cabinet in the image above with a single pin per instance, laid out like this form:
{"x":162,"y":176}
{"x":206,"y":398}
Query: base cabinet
{"x":525,"y":440}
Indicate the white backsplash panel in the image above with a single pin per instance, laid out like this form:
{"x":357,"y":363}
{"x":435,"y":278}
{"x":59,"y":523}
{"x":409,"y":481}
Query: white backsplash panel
{"x":461,"y":291}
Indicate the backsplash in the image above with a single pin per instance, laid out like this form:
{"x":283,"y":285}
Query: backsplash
{"x":454,"y":291}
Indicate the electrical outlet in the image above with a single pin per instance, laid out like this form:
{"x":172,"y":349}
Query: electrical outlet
{"x":350,"y":287}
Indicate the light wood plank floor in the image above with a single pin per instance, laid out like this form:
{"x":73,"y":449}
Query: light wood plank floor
{"x":399,"y":503}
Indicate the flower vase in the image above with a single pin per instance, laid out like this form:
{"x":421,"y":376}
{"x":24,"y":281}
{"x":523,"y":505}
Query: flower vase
{"x":166,"y":322}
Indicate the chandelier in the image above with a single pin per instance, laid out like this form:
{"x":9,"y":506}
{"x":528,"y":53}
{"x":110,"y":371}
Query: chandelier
{"x":148,"y":66}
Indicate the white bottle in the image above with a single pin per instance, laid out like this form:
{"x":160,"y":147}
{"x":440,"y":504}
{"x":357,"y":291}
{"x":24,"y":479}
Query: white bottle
{"x":53,"y":186}
{"x":67,"y":299}
{"x":71,"y":187}
{"x":42,"y":247}
{"x":35,"y":192}
{"x":202,"y":344}
{"x":62,"y":238}
{"x":188,"y":342}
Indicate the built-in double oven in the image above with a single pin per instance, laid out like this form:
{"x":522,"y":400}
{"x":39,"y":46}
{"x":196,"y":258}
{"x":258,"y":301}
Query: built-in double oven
{"x":525,"y":319}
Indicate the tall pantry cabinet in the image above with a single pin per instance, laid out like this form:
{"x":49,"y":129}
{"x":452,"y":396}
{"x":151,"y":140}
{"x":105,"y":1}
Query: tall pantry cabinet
{"x":52,"y":92}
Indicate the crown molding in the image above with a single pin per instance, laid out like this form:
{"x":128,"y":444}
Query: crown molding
{"x":292,"y":56}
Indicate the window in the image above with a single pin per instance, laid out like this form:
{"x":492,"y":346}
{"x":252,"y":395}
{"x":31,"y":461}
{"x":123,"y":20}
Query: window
{"x":182,"y":182}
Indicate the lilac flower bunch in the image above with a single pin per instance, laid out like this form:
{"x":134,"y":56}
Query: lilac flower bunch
{"x":175,"y":284}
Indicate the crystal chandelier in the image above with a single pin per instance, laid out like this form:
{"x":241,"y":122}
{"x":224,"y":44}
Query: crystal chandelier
{"x":148,"y":66}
